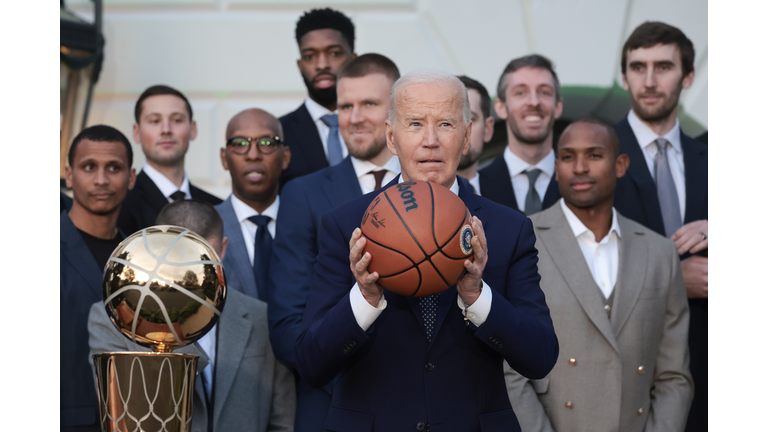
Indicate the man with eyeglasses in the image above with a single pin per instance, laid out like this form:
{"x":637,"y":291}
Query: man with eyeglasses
{"x":255,"y":156}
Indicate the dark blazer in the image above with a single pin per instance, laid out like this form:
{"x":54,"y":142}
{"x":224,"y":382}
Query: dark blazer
{"x":144,"y":202}
{"x":391,"y":377}
{"x":307,"y":154}
{"x":636,"y":198}
{"x":496,"y":185}
{"x":79,"y":288}
{"x":65,"y":202}
{"x":303,"y":202}
{"x":237,"y":265}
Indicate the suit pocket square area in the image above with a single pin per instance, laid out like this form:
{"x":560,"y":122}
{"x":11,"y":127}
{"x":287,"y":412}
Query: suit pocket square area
{"x":348,"y":420}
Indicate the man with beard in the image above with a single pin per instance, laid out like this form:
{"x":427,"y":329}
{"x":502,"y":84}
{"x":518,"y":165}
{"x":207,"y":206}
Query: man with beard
{"x":326,"y":41}
{"x":666,"y":186}
{"x":482,"y":130}
{"x":164,"y":127}
{"x":255,"y":157}
{"x":523,"y":177}
{"x":363,"y":94}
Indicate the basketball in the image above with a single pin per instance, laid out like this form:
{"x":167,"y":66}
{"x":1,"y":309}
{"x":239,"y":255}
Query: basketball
{"x":419,"y":236}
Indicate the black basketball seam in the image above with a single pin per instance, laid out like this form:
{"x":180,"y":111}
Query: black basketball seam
{"x":429,"y":257}
{"x":386,"y":195}
{"x":414,"y":265}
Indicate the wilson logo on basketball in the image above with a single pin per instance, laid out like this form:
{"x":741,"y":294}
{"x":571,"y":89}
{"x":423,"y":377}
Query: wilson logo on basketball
{"x":406,"y":194}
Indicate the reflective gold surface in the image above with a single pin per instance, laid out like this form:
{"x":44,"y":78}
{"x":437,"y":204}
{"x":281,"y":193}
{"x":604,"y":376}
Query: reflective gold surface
{"x":164,"y":287}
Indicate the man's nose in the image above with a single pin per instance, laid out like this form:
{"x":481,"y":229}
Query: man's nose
{"x":166,"y":125}
{"x":650,"y":78}
{"x":357,"y":115}
{"x":430,"y":136}
{"x":322,"y":62}
{"x":253,"y":152}
{"x":101,"y":177}
{"x":581,"y":166}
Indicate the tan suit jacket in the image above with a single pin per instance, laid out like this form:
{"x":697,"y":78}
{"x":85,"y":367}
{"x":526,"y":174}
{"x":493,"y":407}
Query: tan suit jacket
{"x":625,"y":373}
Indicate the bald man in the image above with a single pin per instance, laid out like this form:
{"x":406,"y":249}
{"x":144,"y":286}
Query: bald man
{"x":255,"y":156}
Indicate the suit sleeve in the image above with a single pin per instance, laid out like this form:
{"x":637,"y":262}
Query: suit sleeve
{"x":530,"y":413}
{"x":672,"y":390}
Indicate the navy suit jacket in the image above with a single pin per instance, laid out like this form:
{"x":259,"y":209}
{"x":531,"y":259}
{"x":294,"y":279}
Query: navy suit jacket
{"x":303,"y":202}
{"x":496,"y":185}
{"x":80,"y":287}
{"x":143,"y":203}
{"x":237,"y":266}
{"x":307,"y":153}
{"x":391,"y":377}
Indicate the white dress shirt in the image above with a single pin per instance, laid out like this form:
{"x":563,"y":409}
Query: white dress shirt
{"x":365,"y":177}
{"x":646,"y":138}
{"x":475,"y":182}
{"x":603,"y":257}
{"x":365,"y":314}
{"x":316,"y":111}
{"x":208,"y":344}
{"x":243,"y":211}
{"x":517,"y":172}
{"x":166,"y":186}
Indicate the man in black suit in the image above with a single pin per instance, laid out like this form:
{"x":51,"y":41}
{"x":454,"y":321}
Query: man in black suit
{"x":665,"y":188}
{"x":164,"y":128}
{"x":326,"y":41}
{"x":523,"y":177}
{"x":100,"y":175}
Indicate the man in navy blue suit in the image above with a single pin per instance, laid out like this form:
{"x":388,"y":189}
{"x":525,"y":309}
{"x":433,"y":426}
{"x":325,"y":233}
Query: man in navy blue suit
{"x":665,"y":188}
{"x":363,"y":97}
{"x":100,"y":175}
{"x":326,"y":39}
{"x":393,"y":368}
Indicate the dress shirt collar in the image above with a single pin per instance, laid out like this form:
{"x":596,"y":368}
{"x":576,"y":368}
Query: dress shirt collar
{"x":454,"y":187}
{"x":166,"y":186}
{"x":647,"y":137}
{"x":363,"y":167}
{"x":579,"y":228}
{"x":316,"y":110}
{"x":517,"y":165}
{"x":243,"y":211}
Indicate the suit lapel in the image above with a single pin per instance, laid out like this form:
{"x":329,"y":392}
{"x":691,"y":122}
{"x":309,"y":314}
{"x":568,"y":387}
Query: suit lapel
{"x":238,"y":254}
{"x":79,"y":256}
{"x":343,"y":184}
{"x":551,"y":195}
{"x":495,"y":179}
{"x":553,"y":230}
{"x":151,"y":193}
{"x":633,"y":261}
{"x":696,"y":178}
{"x":312,"y":143}
{"x":233,"y":335}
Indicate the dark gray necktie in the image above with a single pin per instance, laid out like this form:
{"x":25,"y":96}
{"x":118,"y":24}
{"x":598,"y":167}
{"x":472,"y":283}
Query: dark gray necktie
{"x":665,"y":187}
{"x":262,"y":252}
{"x":429,"y":312}
{"x":178,"y":195}
{"x":334,"y":144}
{"x":532,"y":200}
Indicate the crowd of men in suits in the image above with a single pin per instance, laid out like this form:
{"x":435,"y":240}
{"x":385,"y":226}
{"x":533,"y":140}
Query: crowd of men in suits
{"x":584,"y":309}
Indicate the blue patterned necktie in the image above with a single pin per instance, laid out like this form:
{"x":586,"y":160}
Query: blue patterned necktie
{"x":334,"y":144}
{"x":262,"y":252}
{"x":429,"y":313}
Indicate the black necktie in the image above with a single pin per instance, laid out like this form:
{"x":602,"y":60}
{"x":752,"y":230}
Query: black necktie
{"x":379,"y":176}
{"x":262,"y":251}
{"x":429,"y":312}
{"x":178,"y":195}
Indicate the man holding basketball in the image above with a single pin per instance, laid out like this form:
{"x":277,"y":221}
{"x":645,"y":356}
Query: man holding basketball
{"x":393,"y":371}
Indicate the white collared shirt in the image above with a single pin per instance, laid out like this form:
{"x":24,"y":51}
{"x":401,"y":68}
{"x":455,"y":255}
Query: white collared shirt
{"x":603,"y":257}
{"x":365,"y":314}
{"x":646,"y":138}
{"x":316,"y":111}
{"x":365,"y":177}
{"x":208,"y":344}
{"x":518,"y":169}
{"x":475,"y":182}
{"x":243,"y":211}
{"x":166,"y":186}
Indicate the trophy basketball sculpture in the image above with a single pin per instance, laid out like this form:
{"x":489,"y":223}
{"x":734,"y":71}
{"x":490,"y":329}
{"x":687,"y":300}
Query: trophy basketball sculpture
{"x":164,"y":288}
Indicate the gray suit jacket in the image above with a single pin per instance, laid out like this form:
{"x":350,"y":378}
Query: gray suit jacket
{"x":253,"y":391}
{"x":625,"y":373}
{"x":237,"y":265}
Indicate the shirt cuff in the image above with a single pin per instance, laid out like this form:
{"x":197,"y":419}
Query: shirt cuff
{"x":478,"y":312}
{"x":365,"y":314}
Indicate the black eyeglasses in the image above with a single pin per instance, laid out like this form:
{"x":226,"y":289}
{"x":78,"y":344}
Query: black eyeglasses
{"x":242,"y":145}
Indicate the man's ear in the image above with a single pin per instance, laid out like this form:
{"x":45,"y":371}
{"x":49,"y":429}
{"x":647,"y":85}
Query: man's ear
{"x":622,"y":164}
{"x":624,"y":82}
{"x":501,"y":109}
{"x":136,"y":133}
{"x":286,"y":157}
{"x":688,"y":80}
{"x":467,"y":138}
{"x":488,"y":133}
{"x":68,"y":176}
{"x":390,"y":134}
{"x":132,"y":179}
{"x":193,"y":131}
{"x":224,"y":159}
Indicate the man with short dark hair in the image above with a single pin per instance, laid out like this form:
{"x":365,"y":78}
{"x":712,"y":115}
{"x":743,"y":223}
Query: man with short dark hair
{"x":529,"y":100}
{"x":617,"y":299}
{"x":363,"y":98}
{"x":100,"y":175}
{"x":164,"y":127}
{"x":255,"y":156}
{"x":482,"y":130}
{"x":326,"y":40}
{"x":666,"y":186}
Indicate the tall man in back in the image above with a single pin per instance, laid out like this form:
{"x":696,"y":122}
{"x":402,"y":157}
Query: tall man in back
{"x":164,"y":127}
{"x":529,"y":99}
{"x":363,"y":95}
{"x":255,"y":156}
{"x":100,"y":175}
{"x":434,"y":363}
{"x":482,"y":130}
{"x":666,"y":186}
{"x":326,"y":39}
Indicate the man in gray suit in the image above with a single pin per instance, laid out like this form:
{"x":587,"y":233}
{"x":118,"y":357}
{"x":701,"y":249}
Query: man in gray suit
{"x":617,"y":299}
{"x":240,"y":385}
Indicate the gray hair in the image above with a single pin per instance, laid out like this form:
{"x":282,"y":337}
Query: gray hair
{"x":428,"y":76}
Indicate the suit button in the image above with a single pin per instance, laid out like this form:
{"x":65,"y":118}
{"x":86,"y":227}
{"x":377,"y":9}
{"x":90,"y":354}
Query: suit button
{"x":420,"y":426}
{"x":640,"y":370}
{"x":499,"y":345}
{"x":347,"y":351}
{"x":429,"y":367}
{"x":572,"y":362}
{"x":607,"y":308}
{"x":569,"y":405}
{"x":640,"y":411}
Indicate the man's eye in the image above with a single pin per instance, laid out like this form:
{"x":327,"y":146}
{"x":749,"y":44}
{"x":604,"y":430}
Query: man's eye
{"x":114,"y":168}
{"x":415,"y":124}
{"x":337,"y":53}
{"x":371,"y":104}
{"x":308,"y":57}
{"x":345,"y":107}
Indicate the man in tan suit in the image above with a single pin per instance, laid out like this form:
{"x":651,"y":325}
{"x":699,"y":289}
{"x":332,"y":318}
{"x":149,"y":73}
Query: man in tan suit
{"x":617,"y":298}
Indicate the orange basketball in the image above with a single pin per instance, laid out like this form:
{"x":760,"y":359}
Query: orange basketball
{"x":419,"y":236}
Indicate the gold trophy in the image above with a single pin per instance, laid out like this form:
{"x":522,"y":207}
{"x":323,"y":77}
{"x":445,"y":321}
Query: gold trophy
{"x":164,"y":288}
